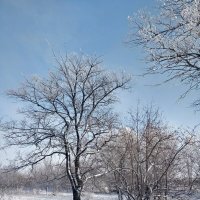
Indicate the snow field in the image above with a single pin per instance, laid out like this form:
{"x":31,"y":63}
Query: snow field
{"x":88,"y":196}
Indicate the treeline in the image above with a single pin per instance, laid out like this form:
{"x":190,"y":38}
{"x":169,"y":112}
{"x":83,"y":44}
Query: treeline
{"x":145,"y":158}
{"x":40,"y":179}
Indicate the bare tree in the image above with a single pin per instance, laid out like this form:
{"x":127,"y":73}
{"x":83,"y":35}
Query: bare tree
{"x":188,"y":168}
{"x":171,"y":40}
{"x":143,"y":156}
{"x":67,"y":117}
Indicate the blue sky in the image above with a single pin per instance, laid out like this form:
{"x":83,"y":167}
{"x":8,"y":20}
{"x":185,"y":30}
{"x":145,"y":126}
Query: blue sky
{"x":30,"y":29}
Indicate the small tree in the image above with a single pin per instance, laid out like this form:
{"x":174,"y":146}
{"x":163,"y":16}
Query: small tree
{"x":188,"y":168}
{"x":143,"y":156}
{"x":171,"y":41}
{"x":67,"y":116}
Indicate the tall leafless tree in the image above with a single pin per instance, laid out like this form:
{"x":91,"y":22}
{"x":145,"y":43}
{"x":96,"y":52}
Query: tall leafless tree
{"x":67,"y":117}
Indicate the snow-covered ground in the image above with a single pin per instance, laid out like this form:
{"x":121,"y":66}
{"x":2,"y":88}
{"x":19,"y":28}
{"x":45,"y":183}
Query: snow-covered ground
{"x":88,"y":196}
{"x":57,"y":197}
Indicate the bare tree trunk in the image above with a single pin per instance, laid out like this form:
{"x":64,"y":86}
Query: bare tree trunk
{"x":76,"y":194}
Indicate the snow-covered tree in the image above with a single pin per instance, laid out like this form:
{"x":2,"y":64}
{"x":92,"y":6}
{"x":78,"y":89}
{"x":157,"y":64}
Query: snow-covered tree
{"x":171,"y":39}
